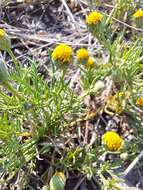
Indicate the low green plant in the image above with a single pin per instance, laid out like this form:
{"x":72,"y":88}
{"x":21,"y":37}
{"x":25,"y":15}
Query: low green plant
{"x":36,"y":114}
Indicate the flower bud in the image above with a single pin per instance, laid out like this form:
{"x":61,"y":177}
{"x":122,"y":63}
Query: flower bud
{"x":124,"y":156}
{"x":82,"y":54}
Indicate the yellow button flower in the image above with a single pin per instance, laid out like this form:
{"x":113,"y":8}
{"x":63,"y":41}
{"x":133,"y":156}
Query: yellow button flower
{"x":139,"y":102}
{"x":2,"y":33}
{"x":112,"y":140}
{"x":93,"y":18}
{"x":62,"y":53}
{"x":82,"y":54}
{"x":90,"y":62}
{"x":138,"y":14}
{"x":121,"y":94}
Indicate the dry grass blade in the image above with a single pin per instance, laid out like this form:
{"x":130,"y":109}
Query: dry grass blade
{"x":133,"y":164}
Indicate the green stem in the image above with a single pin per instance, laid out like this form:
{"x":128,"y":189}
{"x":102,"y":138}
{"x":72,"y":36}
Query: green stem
{"x":13,"y":58}
{"x":53,"y":73}
{"x":64,"y":69}
{"x":107,"y":45}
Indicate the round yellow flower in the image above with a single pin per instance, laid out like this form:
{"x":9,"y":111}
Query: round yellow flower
{"x":139,"y":102}
{"x":138,"y":14}
{"x":112,"y":140}
{"x":93,"y":18}
{"x":62,"y":53}
{"x":82,"y":54}
{"x":121,"y":94}
{"x":90,"y":62}
{"x":2,"y":33}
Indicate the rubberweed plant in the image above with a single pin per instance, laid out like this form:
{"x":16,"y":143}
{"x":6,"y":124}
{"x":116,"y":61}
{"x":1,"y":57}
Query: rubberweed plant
{"x":33,"y":109}
{"x":39,"y":112}
{"x":91,"y":75}
{"x":127,"y":64}
{"x":124,"y":7}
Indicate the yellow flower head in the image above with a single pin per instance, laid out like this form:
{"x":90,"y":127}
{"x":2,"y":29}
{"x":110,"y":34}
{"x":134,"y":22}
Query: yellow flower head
{"x":90,"y":62}
{"x":62,"y":53}
{"x":82,"y":54}
{"x":93,"y":18}
{"x":138,"y":14}
{"x":139,"y":102}
{"x":121,"y":94}
{"x":112,"y":140}
{"x":2,"y":33}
